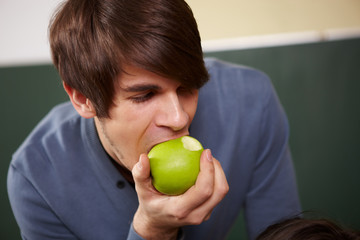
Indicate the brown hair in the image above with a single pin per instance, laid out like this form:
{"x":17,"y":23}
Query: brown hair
{"x":92,"y":40}
{"x":308,"y":229}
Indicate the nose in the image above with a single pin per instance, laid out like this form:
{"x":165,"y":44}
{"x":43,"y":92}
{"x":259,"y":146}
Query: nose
{"x":172,"y":114}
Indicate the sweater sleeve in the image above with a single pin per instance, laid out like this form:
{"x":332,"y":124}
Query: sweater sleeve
{"x":272,"y":194}
{"x":134,"y":236}
{"x":29,"y":207}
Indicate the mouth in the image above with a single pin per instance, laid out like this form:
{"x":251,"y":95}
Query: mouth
{"x":166,"y":139}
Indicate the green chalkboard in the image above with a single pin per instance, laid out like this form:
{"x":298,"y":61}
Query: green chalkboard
{"x":318,"y":85}
{"x":26,"y":95}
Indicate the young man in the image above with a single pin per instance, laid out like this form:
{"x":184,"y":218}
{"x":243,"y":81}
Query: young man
{"x":135,"y":76}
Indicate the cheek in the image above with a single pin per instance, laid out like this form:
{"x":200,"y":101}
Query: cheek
{"x":127,"y":132}
{"x":134,"y":124}
{"x":126,"y":126}
{"x":136,"y":118}
{"x":128,"y":114}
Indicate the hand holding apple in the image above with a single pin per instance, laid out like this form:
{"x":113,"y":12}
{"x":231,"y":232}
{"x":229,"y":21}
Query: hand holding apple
{"x":175,"y":164}
{"x":159,"y":214}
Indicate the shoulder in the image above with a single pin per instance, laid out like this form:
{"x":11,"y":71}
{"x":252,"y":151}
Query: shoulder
{"x":220,"y":68}
{"x":236,"y":80}
{"x":50,"y":132}
{"x":231,"y":84}
{"x":48,"y":161}
{"x":230,"y":104}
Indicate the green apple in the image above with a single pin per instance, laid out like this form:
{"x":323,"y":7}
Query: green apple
{"x":175,"y":164}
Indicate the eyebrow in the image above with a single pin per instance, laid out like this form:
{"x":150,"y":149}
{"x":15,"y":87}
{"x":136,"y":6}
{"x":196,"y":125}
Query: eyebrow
{"x":141,"y":87}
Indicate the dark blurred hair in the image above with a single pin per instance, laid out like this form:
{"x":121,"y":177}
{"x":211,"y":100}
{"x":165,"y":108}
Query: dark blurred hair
{"x":308,"y":229}
{"x":92,"y":40}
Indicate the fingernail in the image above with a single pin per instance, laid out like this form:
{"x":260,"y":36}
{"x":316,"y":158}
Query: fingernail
{"x":208,"y":155}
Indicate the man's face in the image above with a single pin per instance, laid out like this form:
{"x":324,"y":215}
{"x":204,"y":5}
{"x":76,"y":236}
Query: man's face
{"x":149,"y":109}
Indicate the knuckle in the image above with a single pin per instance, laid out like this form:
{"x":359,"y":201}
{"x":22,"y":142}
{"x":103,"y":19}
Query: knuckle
{"x":180,"y":214}
{"x":211,"y":170}
{"x":224,"y":189}
{"x":206,"y":192}
{"x":135,"y":173}
{"x":217,"y":162}
{"x":196,"y":221}
{"x":207,"y":217}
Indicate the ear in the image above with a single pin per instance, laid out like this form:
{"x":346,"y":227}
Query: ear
{"x":81,"y":104}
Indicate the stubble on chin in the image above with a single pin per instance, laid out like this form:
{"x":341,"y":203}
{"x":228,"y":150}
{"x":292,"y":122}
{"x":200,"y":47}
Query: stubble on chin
{"x":109,"y":146}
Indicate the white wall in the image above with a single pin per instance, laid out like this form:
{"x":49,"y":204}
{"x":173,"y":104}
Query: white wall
{"x":235,"y":18}
{"x":231,"y":23}
{"x":23,"y":31}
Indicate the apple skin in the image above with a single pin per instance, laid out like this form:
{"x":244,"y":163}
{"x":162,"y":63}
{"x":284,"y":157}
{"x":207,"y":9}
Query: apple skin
{"x":174,"y":165}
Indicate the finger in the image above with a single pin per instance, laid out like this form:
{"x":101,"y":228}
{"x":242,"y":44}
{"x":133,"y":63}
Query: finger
{"x":141,"y":174}
{"x":221,"y":187}
{"x":208,"y":216}
{"x":221,"y":181}
{"x":203,"y":188}
{"x":141,"y":170}
{"x":221,"y":184}
{"x":205,"y":182}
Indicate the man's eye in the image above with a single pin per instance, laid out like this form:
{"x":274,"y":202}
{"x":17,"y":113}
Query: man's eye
{"x":142,"y":98}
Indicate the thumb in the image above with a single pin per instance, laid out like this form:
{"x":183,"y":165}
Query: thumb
{"x":141,"y":174}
